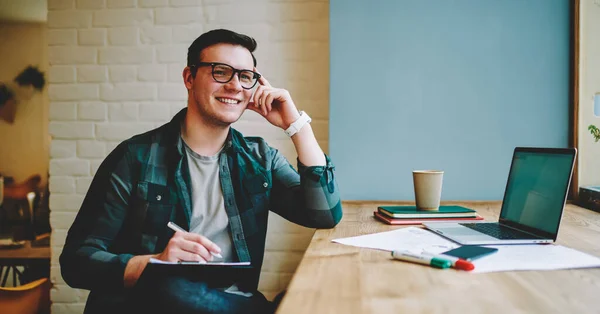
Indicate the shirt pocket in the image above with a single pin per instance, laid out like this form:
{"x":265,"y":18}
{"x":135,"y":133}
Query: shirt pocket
{"x":258,"y":188}
{"x":158,"y":202}
{"x":254,"y":218}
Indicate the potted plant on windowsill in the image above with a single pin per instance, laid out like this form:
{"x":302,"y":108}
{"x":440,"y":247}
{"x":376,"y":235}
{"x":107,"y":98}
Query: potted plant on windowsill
{"x":595,"y":132}
{"x":589,"y":196}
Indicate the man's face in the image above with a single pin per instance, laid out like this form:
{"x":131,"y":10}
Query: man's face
{"x":220,"y":103}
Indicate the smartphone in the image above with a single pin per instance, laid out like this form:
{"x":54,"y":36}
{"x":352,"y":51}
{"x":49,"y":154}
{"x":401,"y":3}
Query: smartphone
{"x":471,"y":252}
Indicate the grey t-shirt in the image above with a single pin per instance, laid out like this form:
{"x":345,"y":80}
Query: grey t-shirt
{"x":209,"y":217}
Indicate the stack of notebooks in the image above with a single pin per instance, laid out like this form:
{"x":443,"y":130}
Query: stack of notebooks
{"x":410,"y":215}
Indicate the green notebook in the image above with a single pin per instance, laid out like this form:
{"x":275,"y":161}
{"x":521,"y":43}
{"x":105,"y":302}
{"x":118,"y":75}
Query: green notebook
{"x":413,"y":212}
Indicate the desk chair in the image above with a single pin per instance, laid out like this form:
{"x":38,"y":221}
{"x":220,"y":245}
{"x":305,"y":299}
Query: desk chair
{"x":31,"y":298}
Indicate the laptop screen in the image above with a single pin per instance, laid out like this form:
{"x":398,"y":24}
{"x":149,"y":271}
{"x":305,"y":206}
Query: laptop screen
{"x":537,"y":188}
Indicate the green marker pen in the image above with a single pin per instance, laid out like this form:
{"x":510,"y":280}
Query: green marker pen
{"x":421,"y":259}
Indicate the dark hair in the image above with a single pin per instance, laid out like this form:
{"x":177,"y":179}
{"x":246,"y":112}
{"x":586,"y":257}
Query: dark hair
{"x":219,"y":36}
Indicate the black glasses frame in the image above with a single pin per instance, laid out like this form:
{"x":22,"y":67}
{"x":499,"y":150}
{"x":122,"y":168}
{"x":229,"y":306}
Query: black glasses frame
{"x":233,"y":72}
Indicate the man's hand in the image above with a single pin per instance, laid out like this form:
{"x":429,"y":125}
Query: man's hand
{"x":189,"y":247}
{"x":275,"y":104}
{"x":183,"y":246}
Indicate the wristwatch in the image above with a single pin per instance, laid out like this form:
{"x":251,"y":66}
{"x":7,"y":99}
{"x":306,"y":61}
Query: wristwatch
{"x":298,"y":124}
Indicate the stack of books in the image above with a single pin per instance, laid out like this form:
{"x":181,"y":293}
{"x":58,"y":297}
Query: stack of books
{"x":589,"y":197}
{"x":410,"y":215}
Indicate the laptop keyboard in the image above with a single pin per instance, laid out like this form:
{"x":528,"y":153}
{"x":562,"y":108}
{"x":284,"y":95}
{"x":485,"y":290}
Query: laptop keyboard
{"x":498,"y":231}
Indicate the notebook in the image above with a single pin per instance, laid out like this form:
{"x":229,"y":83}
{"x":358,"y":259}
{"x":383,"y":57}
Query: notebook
{"x":413,"y":212}
{"x":418,"y":221}
{"x":215,"y":274}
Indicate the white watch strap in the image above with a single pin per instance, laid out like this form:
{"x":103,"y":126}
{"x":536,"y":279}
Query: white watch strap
{"x":298,"y":124}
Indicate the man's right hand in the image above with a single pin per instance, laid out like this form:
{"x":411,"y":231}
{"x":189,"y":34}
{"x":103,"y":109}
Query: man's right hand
{"x":189,"y":247}
{"x":183,"y":246}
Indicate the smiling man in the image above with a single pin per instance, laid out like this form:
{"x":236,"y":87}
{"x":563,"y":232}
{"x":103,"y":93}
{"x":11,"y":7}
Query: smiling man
{"x":205,"y":176}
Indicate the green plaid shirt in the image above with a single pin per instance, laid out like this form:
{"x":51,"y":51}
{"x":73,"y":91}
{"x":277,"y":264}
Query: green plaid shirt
{"x":144,"y":183}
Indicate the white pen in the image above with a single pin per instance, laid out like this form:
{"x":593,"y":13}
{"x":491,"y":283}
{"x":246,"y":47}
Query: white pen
{"x":432,"y":261}
{"x":176,"y":228}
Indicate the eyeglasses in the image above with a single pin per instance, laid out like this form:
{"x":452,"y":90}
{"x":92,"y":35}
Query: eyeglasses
{"x":223,"y":73}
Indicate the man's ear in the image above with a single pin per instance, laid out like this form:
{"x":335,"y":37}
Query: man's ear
{"x":188,"y":80}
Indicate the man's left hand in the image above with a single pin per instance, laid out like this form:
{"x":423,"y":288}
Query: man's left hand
{"x":275,"y":104}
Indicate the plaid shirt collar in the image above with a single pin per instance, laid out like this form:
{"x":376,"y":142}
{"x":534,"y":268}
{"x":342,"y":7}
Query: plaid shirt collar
{"x":232,"y":143}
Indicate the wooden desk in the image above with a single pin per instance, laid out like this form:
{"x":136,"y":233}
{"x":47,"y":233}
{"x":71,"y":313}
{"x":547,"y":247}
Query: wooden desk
{"x":23,"y":254}
{"x":335,"y":278}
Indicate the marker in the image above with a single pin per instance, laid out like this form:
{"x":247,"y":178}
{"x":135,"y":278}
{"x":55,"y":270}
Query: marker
{"x":421,"y":259}
{"x":456,"y":262}
{"x":176,"y":228}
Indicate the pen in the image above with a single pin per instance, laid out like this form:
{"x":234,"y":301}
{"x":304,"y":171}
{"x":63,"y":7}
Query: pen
{"x":456,"y":262}
{"x":421,"y":259}
{"x":176,"y":228}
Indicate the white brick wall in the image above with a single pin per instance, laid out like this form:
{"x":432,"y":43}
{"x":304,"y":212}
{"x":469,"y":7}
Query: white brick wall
{"x":115,"y":71}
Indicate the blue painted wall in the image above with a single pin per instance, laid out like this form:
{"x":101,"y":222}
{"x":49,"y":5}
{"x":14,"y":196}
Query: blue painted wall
{"x":439,"y":84}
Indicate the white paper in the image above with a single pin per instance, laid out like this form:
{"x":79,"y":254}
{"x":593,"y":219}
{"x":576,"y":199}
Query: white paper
{"x":411,"y":238}
{"x":157,"y":261}
{"x":534,"y":257}
{"x":507,"y":258}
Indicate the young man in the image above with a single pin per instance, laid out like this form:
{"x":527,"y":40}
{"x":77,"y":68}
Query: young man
{"x":201,"y":174}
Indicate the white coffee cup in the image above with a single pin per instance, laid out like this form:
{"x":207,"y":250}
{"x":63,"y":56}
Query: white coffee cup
{"x":428,"y":188}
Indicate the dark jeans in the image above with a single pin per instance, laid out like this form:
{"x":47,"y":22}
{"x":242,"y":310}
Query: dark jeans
{"x":181,"y":295}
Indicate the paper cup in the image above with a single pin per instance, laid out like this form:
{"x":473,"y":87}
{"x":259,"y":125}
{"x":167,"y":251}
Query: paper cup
{"x":428,"y":188}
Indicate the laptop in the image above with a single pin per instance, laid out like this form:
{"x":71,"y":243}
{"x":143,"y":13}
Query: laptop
{"x":535,"y":195}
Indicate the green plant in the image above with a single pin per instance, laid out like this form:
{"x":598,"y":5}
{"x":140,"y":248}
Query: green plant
{"x":31,"y":76}
{"x":595,"y":132}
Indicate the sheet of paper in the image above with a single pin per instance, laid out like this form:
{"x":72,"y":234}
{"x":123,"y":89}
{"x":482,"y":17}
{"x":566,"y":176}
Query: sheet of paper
{"x":411,"y":238}
{"x":534,"y":257}
{"x":508,"y":257}
{"x":157,"y":261}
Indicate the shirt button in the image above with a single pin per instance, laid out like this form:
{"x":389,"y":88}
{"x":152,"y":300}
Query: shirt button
{"x":265,"y":184}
